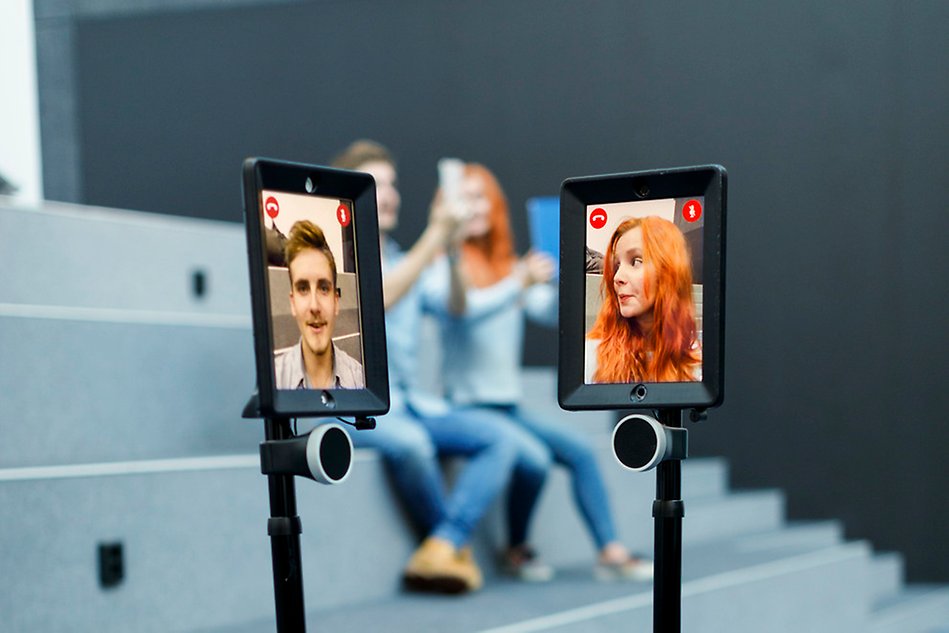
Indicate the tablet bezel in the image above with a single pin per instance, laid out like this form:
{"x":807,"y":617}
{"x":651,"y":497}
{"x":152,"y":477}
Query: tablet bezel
{"x":268,"y":174}
{"x":576,"y":195}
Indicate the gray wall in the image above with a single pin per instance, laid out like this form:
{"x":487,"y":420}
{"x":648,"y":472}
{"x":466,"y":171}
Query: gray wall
{"x":832,"y":119}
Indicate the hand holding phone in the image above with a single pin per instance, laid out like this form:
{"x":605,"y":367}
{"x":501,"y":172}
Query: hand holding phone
{"x":537,"y":268}
{"x":451,"y":174}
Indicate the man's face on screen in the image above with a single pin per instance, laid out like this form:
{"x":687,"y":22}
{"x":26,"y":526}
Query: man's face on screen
{"x":313,"y":300}
{"x":630,"y":274}
{"x":388,"y":199}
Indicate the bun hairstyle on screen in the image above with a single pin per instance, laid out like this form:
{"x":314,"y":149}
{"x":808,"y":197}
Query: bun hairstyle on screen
{"x":303,"y":235}
{"x":489,"y":257}
{"x":668,"y":351}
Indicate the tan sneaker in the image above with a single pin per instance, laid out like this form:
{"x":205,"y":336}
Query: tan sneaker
{"x":436,"y":567}
{"x":474,"y":578}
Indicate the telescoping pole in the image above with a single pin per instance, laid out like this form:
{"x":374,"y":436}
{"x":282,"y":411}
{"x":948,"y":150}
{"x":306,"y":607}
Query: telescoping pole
{"x":284,"y":528}
{"x":668,"y":511}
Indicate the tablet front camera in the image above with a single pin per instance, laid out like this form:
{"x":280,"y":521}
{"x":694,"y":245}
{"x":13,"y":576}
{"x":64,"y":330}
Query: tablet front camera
{"x":638,"y":394}
{"x":327,"y":399}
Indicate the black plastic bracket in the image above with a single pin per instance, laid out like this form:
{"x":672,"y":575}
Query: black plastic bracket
{"x":698,"y":415}
{"x":679,"y":442}
{"x":365,"y":424}
{"x":277,"y":457}
{"x":252,"y":408}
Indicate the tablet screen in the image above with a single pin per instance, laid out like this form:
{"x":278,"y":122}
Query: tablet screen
{"x":314,"y":302}
{"x":642,"y":261}
{"x":643,"y":275}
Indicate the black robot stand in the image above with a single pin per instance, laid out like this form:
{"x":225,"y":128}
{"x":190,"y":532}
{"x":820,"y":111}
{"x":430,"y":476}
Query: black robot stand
{"x":668,"y":511}
{"x":281,"y":460}
{"x":642,"y":442}
{"x":284,"y":528}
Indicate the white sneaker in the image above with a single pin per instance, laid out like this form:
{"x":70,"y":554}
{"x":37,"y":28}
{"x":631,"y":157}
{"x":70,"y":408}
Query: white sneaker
{"x":524,"y":564}
{"x":637,"y":569}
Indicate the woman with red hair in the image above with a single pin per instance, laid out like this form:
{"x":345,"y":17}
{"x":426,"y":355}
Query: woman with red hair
{"x":645,"y":329}
{"x":482,"y":326}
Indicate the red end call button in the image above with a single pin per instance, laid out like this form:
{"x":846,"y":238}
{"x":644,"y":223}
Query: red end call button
{"x":598,"y":218}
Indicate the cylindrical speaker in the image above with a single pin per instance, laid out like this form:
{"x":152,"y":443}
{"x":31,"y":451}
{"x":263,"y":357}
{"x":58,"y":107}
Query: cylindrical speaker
{"x":329,"y":454}
{"x":640,"y":442}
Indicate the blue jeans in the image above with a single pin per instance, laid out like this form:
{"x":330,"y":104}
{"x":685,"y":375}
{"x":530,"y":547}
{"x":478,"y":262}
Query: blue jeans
{"x":410,"y":444}
{"x":566,"y":447}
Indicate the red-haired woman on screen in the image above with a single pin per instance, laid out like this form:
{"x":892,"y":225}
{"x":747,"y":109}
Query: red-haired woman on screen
{"x":645,"y":330}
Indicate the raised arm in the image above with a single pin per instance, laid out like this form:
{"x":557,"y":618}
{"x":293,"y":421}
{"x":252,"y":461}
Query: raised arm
{"x":441,"y":229}
{"x":527,"y":283}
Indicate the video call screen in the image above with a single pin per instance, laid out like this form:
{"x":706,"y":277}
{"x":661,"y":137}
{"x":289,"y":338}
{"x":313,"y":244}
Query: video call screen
{"x":314,"y":298}
{"x":643,"y":312}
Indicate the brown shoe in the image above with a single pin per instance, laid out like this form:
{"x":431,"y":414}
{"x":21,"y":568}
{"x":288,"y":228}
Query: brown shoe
{"x":436,"y":567}
{"x":474,"y":578}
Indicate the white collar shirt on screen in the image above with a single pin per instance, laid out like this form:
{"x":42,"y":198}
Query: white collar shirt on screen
{"x":290,"y":374}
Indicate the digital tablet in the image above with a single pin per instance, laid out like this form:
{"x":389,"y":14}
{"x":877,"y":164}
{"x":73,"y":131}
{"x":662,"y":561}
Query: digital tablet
{"x":316,"y":290}
{"x":543,"y":217}
{"x":642,"y":261}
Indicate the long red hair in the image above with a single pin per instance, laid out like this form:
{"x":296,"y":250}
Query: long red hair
{"x":669,"y":352}
{"x":489,"y":258}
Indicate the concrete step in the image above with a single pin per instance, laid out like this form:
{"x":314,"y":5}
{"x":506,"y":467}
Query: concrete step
{"x":105,"y":390}
{"x":192,"y":532}
{"x":117,"y":259}
{"x":108,"y":348}
{"x":725,"y":588}
{"x":795,"y":536}
{"x":189,"y":527}
{"x":915,"y":609}
{"x":888,"y":575}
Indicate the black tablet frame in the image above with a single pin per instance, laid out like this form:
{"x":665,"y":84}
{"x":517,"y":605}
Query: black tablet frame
{"x":576,"y":195}
{"x":298,"y":178}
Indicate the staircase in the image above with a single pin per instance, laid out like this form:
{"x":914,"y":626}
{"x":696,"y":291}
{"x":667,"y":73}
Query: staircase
{"x":133,"y":499}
